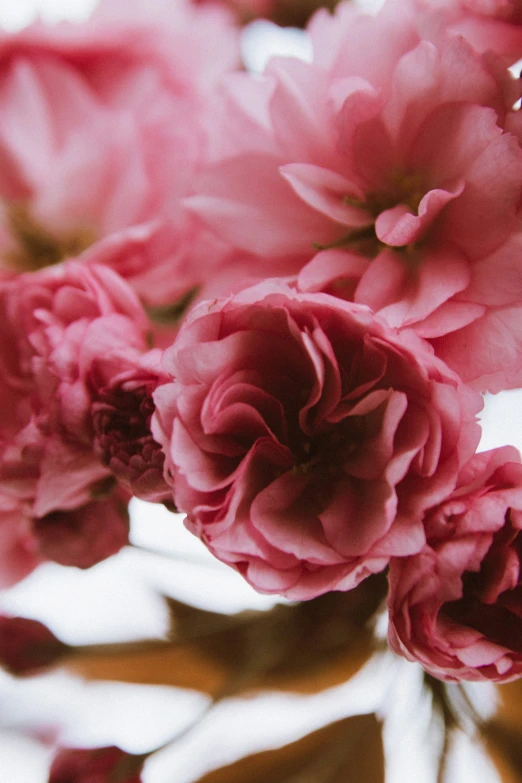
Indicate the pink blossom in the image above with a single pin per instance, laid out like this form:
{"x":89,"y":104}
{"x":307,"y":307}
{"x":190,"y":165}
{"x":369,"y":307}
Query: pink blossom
{"x":305,"y":437}
{"x":53,"y":323}
{"x":27,"y":646}
{"x":103,"y":125}
{"x":96,"y":765}
{"x":397,"y":168}
{"x":455,"y":607}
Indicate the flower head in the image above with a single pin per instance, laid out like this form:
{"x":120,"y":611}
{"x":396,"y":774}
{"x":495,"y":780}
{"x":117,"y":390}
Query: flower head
{"x":305,"y":437}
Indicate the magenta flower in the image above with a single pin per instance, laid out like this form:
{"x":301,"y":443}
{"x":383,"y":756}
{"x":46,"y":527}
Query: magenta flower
{"x":305,"y":437}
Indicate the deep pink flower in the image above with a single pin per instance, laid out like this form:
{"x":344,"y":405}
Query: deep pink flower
{"x":305,"y":437}
{"x":456,"y":606}
{"x":397,"y":168}
{"x":27,"y":646}
{"x":96,"y":765}
{"x":53,"y":323}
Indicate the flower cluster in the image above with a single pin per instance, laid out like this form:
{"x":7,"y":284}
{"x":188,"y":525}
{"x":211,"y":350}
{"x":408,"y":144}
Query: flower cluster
{"x":272,"y":303}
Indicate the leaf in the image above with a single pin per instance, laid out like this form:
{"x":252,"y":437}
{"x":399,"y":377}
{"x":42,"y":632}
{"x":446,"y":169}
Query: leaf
{"x":505,"y":748}
{"x":348,"y":750}
{"x":296,"y":13}
{"x":301,"y":648}
{"x":502,"y":734}
{"x":179,"y":667}
{"x":509,"y":711}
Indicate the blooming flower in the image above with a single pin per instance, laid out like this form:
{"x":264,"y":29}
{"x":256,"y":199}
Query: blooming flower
{"x":305,"y":437}
{"x":455,"y":607}
{"x":103,"y":125}
{"x":397,"y":169}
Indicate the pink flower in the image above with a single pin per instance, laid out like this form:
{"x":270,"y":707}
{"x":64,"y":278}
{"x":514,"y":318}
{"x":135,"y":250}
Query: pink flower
{"x":121,"y":415}
{"x":455,"y":607}
{"x":96,"y":765}
{"x":27,"y":646}
{"x":53,"y":323}
{"x":103,"y":126}
{"x":305,"y":437}
{"x":396,"y":168}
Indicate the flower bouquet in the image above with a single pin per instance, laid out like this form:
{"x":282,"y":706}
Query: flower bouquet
{"x":272,"y":304}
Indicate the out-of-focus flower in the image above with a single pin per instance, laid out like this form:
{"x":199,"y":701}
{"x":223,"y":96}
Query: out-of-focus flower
{"x":53,"y":323}
{"x":27,"y":646}
{"x":102,"y":127}
{"x":456,"y":606}
{"x":306,"y":437}
{"x":96,"y":765}
{"x":398,"y":171}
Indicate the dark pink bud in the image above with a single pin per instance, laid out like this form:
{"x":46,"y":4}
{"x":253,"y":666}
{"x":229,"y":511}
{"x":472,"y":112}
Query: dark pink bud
{"x":27,"y":646}
{"x":96,"y":765}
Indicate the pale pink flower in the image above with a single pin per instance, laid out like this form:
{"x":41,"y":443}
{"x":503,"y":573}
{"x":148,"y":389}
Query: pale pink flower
{"x":396,"y":168}
{"x":305,"y":437}
{"x":103,"y":124}
{"x":455,"y":607}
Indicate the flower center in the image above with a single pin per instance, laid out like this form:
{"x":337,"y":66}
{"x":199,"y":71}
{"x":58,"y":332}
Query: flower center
{"x":122,"y":423}
{"x":36,"y":246}
{"x":326,"y":453}
{"x":403,"y":187}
